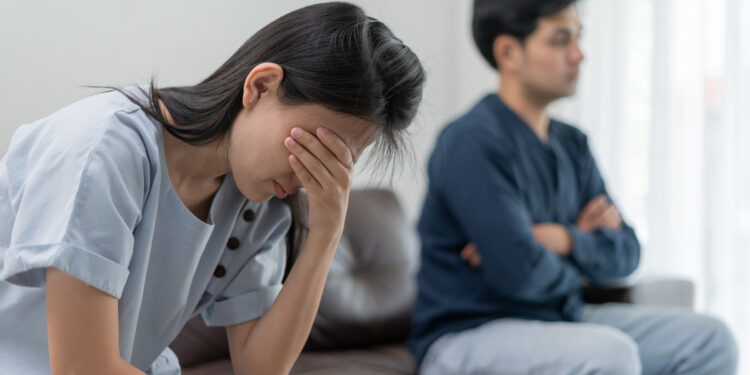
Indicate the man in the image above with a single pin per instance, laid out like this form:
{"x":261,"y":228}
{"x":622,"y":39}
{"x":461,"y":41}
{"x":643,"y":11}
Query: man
{"x":517,"y":215}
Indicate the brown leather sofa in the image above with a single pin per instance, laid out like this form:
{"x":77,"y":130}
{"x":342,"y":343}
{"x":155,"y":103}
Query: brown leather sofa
{"x":363,"y":320}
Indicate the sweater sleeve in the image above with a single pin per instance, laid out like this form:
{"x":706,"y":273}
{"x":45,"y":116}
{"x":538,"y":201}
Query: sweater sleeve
{"x":476,"y":181}
{"x":602,"y":255}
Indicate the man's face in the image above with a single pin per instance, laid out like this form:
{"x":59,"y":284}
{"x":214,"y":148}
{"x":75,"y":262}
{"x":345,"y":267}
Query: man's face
{"x":552,"y":56}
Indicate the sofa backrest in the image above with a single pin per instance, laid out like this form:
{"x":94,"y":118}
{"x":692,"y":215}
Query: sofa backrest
{"x":370,"y":291}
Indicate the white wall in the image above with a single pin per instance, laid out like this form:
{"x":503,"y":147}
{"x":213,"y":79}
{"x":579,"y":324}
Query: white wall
{"x":50,"y":49}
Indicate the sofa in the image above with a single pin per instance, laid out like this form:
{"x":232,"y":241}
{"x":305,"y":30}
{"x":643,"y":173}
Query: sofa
{"x":363,"y":320}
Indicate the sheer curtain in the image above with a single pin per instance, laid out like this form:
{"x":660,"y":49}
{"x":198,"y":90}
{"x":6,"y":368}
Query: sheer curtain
{"x":664,"y":98}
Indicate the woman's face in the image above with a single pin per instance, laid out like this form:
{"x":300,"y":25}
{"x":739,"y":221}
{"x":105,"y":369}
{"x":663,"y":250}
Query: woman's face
{"x":258,"y":158}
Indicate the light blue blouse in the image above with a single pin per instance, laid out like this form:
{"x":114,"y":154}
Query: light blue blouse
{"x":86,"y":190}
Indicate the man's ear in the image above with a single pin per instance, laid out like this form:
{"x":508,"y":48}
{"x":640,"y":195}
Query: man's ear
{"x":263,"y":80}
{"x":508,"y":53}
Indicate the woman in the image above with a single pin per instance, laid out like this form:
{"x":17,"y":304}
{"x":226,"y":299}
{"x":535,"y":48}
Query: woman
{"x":132,"y":211}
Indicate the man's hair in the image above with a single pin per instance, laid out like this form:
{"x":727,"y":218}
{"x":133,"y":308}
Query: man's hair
{"x":517,"y":18}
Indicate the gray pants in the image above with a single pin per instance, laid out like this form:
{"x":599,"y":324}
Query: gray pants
{"x":612,"y":339}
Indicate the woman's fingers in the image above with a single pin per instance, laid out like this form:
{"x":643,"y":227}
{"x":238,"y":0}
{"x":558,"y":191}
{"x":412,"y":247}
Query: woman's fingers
{"x":324,"y":153}
{"x":325,"y":177}
{"x":311,"y":163}
{"x":307,"y":179}
{"x":337,"y":146}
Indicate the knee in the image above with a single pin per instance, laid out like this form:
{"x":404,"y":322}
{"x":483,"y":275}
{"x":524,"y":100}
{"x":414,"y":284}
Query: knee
{"x":613,"y":352}
{"x":718,"y":344}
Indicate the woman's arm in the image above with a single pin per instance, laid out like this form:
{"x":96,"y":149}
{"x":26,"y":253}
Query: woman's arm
{"x":82,"y":328}
{"x":272,"y":343}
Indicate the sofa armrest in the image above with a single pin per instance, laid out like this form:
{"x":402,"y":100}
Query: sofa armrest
{"x":657,"y":291}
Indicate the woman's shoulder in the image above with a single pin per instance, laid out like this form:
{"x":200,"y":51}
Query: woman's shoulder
{"x":108,"y":120}
{"x":108,"y":114}
{"x":105,"y":129}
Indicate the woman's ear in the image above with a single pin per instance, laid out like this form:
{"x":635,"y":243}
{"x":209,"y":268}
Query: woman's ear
{"x":263,"y":80}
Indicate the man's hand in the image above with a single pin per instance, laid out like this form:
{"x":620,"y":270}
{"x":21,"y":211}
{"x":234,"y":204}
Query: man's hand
{"x":470,"y":255}
{"x":599,"y":213}
{"x":553,"y":237}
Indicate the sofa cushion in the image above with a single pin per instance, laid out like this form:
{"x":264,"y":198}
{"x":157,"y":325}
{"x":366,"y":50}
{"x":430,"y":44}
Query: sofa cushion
{"x":381,"y":360}
{"x":384,"y":360}
{"x":198,"y":343}
{"x":370,"y":290}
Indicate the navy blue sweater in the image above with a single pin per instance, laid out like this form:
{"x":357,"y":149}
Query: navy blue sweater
{"x":491,"y":178}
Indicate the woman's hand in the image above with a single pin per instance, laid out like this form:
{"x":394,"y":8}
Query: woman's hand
{"x":324,"y":165}
{"x":270,"y":345}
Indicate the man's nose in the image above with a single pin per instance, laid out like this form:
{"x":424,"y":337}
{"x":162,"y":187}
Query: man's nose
{"x":577,"y":54}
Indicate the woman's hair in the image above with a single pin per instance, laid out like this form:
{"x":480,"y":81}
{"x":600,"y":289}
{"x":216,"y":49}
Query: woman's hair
{"x":517,"y":18}
{"x":332,"y":54}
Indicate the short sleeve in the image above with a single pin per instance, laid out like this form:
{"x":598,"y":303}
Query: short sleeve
{"x":77,"y":201}
{"x":249,"y":295}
